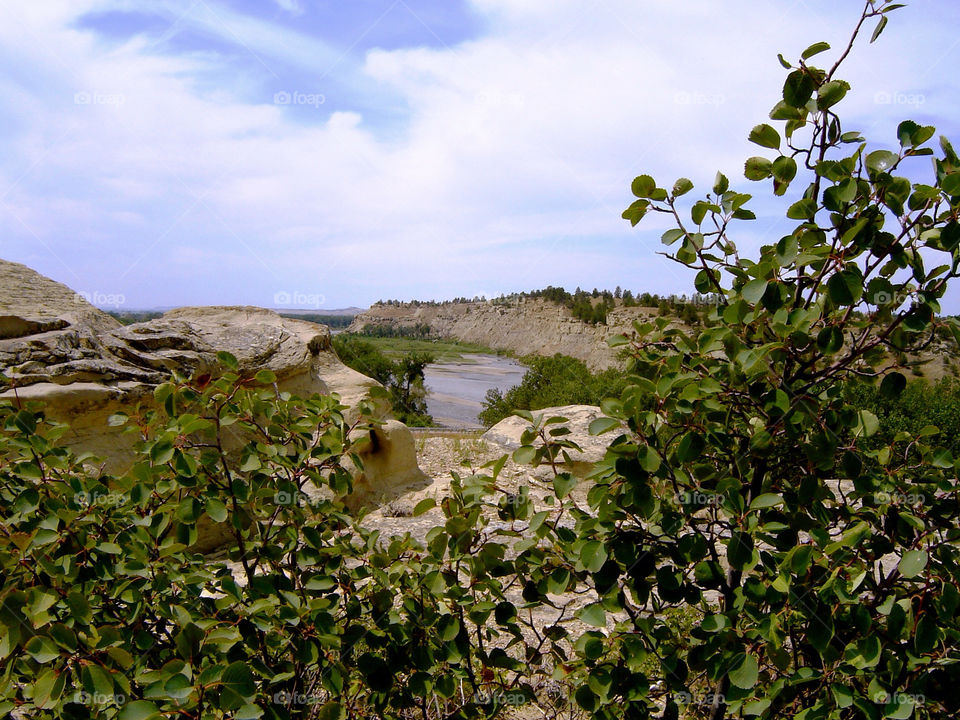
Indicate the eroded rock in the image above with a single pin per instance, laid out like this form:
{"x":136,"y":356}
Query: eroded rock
{"x":84,"y":366}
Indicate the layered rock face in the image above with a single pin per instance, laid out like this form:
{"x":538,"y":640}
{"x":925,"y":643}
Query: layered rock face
{"x":85,"y":366}
{"x":528,"y":326}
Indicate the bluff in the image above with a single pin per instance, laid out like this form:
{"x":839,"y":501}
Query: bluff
{"x":524,"y":326}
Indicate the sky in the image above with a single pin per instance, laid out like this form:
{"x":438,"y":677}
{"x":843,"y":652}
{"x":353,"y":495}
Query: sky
{"x":321,"y":154}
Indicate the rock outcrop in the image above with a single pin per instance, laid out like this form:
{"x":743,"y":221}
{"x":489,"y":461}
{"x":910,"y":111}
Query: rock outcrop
{"x":507,"y":434}
{"x":85,"y":366}
{"x":526,"y":326}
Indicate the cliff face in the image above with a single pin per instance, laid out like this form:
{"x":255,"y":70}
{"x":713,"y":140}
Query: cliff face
{"x":526,"y":326}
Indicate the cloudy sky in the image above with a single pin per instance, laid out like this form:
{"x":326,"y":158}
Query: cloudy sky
{"x":325,"y":153}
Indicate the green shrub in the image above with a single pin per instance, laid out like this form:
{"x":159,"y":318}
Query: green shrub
{"x":549,"y":382}
{"x":403,"y":378}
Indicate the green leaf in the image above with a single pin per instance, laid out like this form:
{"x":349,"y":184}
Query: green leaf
{"x":96,"y":681}
{"x":228,"y":360}
{"x":593,"y":614}
{"x":881,"y":161}
{"x":636,"y":211}
{"x":266,"y":377}
{"x":643,"y":186}
{"x":682,"y":187}
{"x":831,"y":93}
{"x":892,"y":385}
{"x":879,"y":29}
{"x":138,"y":710}
{"x":721,"y":184}
{"x":593,"y":555}
{"x":42,"y":649}
{"x":784,"y":169}
{"x":765,"y":136}
{"x":815,"y":49}
{"x":754,"y":290}
{"x":603,"y":424}
{"x":798,"y":89}
{"x":757,"y":168}
{"x":766,"y":500}
{"x":524,"y":455}
{"x":912,"y":563}
{"x":951,"y":184}
{"x":744,"y":672}
{"x":867,"y":424}
{"x":423,"y":506}
{"x":216,"y":510}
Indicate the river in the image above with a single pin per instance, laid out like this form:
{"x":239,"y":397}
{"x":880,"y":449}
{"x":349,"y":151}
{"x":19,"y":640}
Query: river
{"x":457,"y":389}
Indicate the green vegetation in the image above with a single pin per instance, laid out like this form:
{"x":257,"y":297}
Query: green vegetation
{"x":920,"y":405}
{"x":420,"y":331}
{"x":401,"y":376}
{"x":549,"y":382}
{"x":442,"y":350}
{"x":129,"y":317}
{"x":335,"y":322}
{"x":757,"y":543}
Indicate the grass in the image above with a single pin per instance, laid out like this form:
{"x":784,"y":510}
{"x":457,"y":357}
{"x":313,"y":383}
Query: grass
{"x":442,"y":350}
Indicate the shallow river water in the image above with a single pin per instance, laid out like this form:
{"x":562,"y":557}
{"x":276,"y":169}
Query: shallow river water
{"x":457,"y":389}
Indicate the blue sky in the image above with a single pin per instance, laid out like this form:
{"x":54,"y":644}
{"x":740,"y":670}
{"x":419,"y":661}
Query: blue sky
{"x":325,"y":153}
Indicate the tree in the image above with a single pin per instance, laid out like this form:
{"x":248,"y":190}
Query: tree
{"x":745,"y":489}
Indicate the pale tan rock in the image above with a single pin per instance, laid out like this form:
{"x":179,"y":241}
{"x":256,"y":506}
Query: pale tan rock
{"x":84,"y":366}
{"x":508,"y":432}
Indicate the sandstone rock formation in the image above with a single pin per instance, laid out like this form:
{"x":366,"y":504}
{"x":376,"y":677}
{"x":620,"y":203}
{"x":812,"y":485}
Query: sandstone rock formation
{"x":85,"y":366}
{"x":507,"y":433}
{"x":525,"y":326}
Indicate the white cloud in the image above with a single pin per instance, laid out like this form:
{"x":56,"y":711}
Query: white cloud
{"x":510,"y":170}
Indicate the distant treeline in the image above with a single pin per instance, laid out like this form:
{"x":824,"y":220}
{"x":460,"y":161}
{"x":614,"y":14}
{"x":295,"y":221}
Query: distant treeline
{"x":130,"y":317}
{"x":334,"y":321}
{"x":420,"y":331}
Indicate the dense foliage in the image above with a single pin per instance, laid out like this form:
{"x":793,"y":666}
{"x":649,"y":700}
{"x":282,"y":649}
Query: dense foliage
{"x":550,"y":382}
{"x":403,"y":377}
{"x":337,"y":322}
{"x":756,"y":543}
{"x":420,"y":331}
{"x":109,"y":610}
